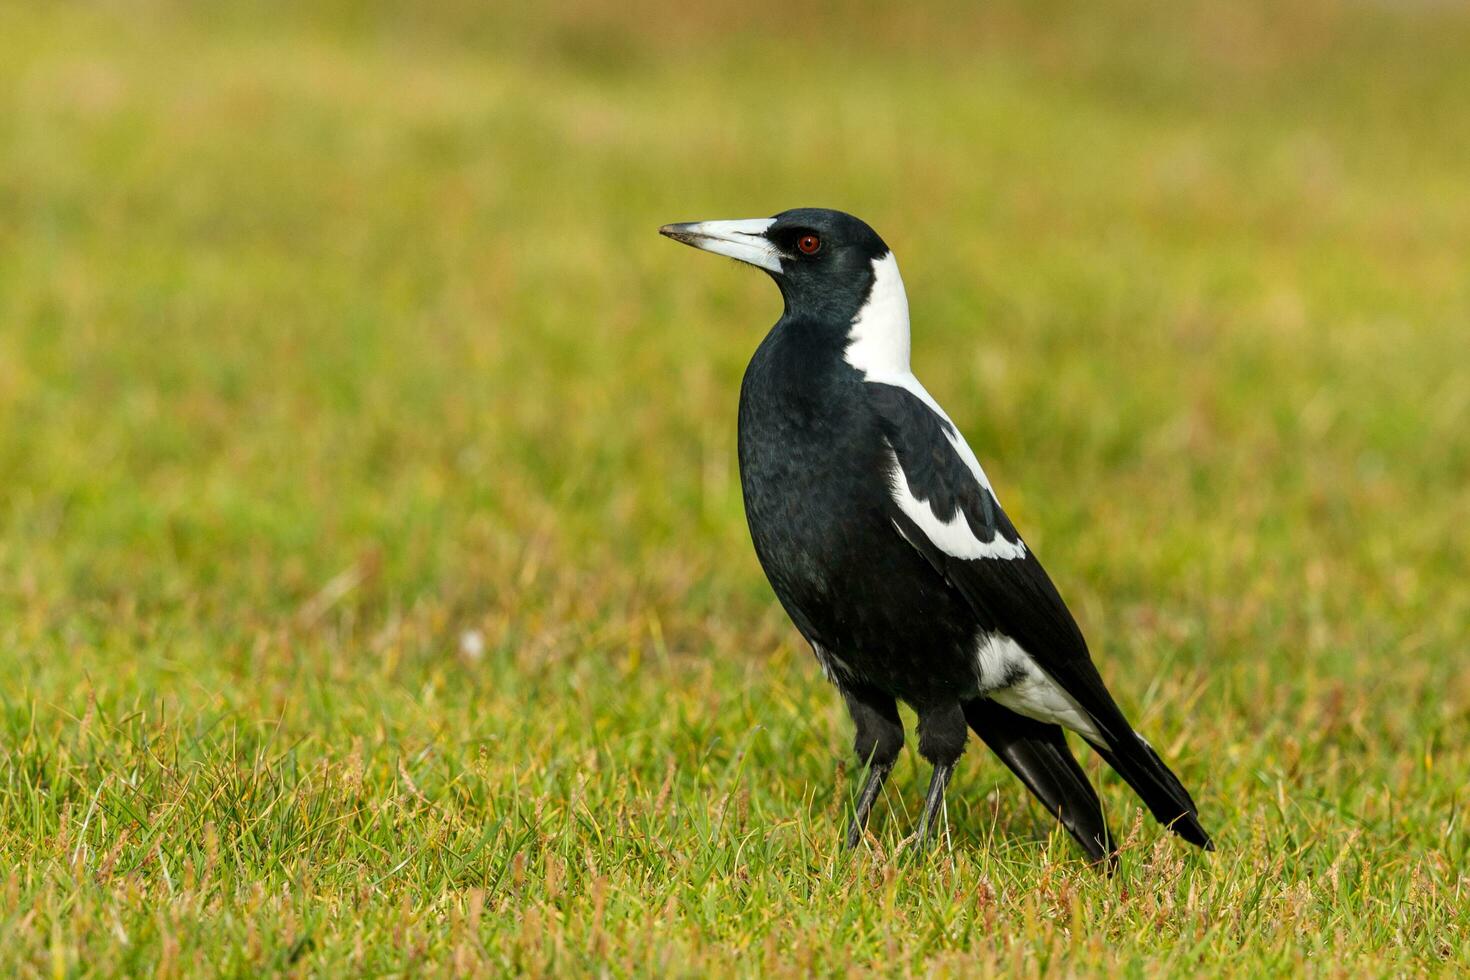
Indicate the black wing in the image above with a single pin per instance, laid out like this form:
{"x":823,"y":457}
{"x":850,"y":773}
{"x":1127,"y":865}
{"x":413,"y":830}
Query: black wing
{"x":1039,"y":756}
{"x":944,"y":507}
{"x":983,"y":556}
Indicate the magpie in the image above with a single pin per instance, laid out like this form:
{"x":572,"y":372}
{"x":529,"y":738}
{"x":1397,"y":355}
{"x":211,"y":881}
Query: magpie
{"x":884,"y":542}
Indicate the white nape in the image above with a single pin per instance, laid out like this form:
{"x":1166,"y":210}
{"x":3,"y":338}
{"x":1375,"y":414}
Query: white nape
{"x":878,"y":346}
{"x":878,"y":343}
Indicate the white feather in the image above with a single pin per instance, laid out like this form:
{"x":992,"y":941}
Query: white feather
{"x":953,"y":536}
{"x":878,"y":346}
{"x":834,"y":668}
{"x":997,"y":656}
{"x":878,"y":342}
{"x":1037,"y":696}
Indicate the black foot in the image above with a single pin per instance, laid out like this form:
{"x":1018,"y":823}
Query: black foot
{"x":933,"y":805}
{"x":872,"y":786}
{"x":878,"y":740}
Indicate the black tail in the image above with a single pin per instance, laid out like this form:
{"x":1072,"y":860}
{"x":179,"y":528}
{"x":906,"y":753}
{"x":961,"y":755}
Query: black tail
{"x":1161,"y":791}
{"x":1038,"y":754}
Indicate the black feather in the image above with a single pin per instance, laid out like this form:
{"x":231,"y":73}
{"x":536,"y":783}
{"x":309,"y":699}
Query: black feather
{"x":1160,"y":790}
{"x":1017,"y":598}
{"x":1039,"y":755}
{"x":891,"y":612}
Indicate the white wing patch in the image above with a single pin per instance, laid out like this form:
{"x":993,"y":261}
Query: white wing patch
{"x":953,"y":536}
{"x":911,"y":384}
{"x":1033,"y":693}
{"x":878,"y":346}
{"x":998,"y":659}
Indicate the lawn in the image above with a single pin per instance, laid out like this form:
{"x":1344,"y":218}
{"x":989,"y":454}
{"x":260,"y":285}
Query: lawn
{"x":375,"y":594}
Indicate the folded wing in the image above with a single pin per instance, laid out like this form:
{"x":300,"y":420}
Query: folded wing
{"x":944,"y":506}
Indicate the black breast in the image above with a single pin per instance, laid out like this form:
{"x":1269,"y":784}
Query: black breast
{"x":814,"y":469}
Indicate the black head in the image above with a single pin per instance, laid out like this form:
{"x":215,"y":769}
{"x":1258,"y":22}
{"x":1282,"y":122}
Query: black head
{"x":821,"y":259}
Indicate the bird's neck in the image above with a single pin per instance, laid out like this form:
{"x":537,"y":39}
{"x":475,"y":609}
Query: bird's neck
{"x":878,"y":340}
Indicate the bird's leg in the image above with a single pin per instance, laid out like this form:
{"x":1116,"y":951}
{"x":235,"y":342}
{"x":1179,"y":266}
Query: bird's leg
{"x":878,"y":741}
{"x":872,"y":786}
{"x":933,"y":803}
{"x":942,"y":735}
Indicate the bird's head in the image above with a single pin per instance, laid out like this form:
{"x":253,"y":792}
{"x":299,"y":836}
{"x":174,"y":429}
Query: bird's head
{"x":823,"y":260}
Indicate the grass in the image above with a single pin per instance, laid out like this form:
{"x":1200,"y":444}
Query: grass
{"x":374,"y":590}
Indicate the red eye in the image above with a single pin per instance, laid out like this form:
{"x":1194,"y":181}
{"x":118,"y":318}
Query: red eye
{"x":808,"y":243}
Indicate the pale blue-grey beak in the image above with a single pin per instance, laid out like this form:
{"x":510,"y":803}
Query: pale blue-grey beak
{"x":743,"y":240}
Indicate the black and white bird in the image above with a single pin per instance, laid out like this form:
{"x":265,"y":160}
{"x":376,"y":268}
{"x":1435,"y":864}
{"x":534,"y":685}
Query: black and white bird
{"x":885,"y":543}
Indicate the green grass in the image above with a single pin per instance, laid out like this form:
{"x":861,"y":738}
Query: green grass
{"x":374,"y":587}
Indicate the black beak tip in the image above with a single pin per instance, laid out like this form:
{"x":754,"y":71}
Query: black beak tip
{"x":679,"y":233}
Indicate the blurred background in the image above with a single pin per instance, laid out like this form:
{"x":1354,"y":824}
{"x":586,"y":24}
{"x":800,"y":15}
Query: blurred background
{"x":353,"y":412}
